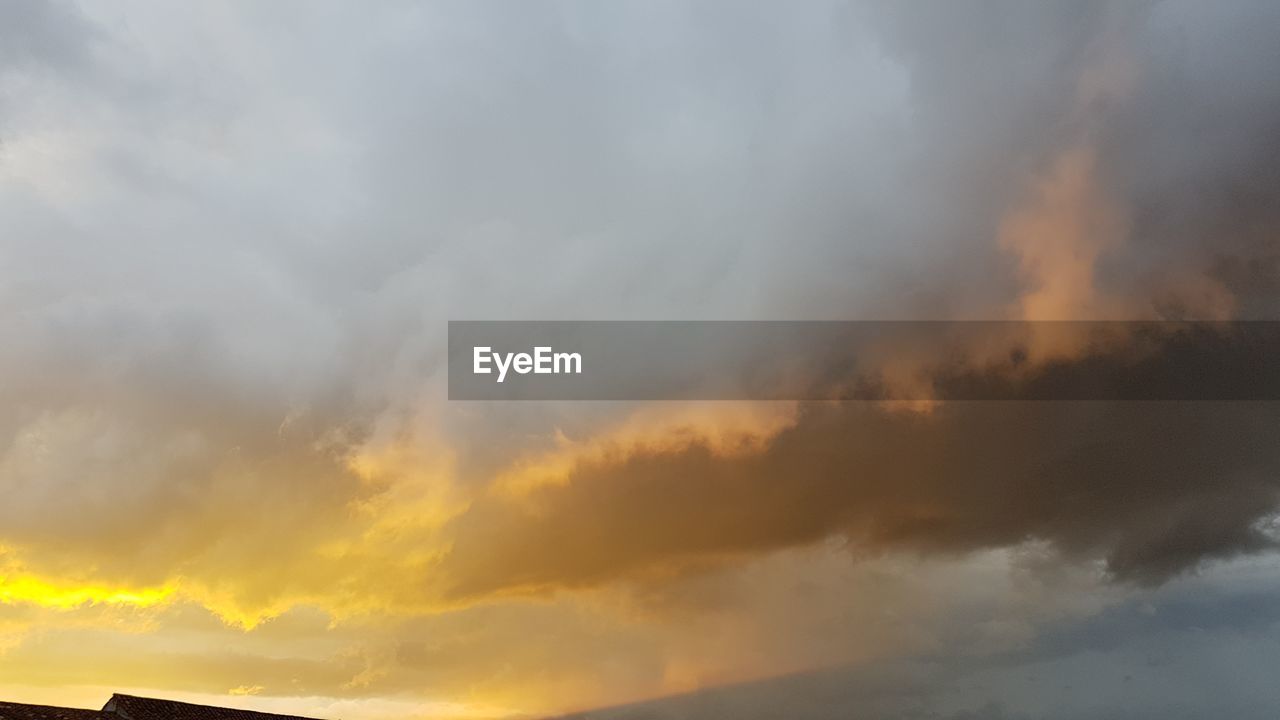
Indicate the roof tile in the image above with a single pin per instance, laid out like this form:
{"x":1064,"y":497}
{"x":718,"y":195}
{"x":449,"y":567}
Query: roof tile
{"x":22,"y":711}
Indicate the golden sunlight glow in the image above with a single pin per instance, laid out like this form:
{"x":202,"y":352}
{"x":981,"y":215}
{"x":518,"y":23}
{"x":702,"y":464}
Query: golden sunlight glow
{"x":45,"y":593}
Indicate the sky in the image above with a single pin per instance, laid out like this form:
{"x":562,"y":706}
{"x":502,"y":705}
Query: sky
{"x":232,"y":234}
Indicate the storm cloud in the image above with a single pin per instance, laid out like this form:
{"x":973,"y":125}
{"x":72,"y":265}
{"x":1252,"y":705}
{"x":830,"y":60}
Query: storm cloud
{"x":231,"y":237}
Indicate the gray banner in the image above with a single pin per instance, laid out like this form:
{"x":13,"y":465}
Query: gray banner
{"x":889,"y":360}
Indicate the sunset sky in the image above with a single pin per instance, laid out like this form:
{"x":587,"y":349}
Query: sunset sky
{"x":232,"y":235}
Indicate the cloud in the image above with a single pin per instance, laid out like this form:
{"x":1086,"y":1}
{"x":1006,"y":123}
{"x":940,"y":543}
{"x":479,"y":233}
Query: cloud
{"x":1190,"y":650}
{"x":231,"y":236}
{"x":1152,"y":487}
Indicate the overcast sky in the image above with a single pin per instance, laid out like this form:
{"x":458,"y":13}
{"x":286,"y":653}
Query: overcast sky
{"x":231,"y":235}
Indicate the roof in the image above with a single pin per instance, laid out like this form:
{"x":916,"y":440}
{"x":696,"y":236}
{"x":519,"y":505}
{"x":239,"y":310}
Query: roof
{"x":130,"y":707}
{"x":22,"y":711}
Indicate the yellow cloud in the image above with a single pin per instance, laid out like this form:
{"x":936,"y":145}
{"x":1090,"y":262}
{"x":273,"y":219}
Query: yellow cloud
{"x":68,"y":595}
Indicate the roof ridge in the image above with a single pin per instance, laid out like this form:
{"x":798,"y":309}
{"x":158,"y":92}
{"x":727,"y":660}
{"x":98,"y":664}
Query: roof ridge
{"x":33,"y":711}
{"x":60,"y":707}
{"x":197,"y":706}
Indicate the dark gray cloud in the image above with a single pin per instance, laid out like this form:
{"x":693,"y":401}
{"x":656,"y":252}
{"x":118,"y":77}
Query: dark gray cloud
{"x":1154,"y":488}
{"x":1196,"y":649}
